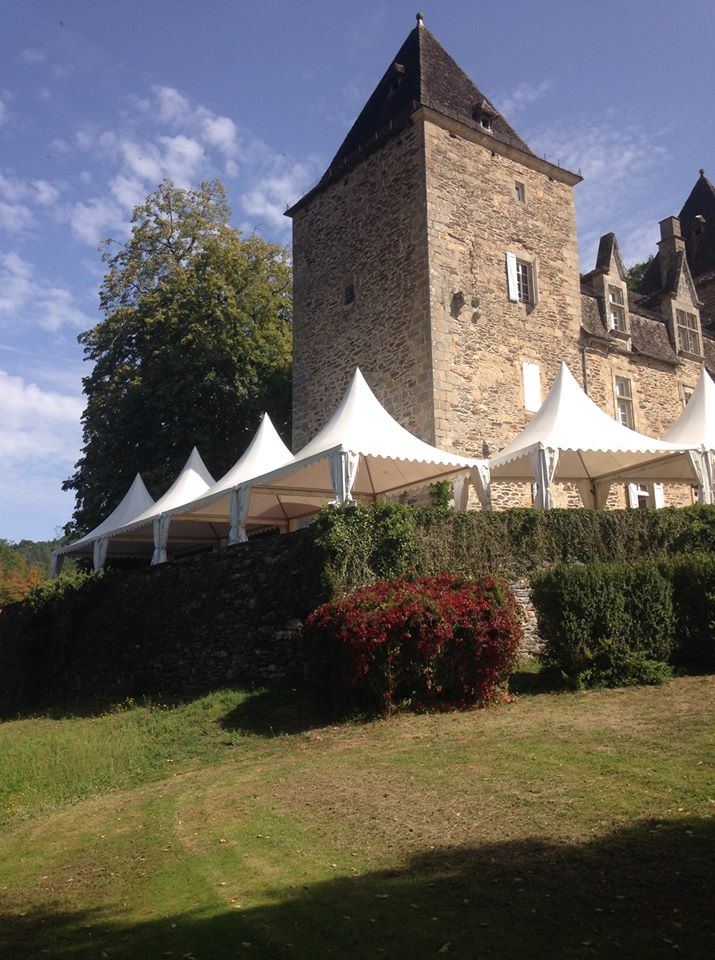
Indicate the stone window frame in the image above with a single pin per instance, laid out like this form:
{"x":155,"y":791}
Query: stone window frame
{"x":617,"y":308}
{"x":520,"y":191}
{"x":688,"y":332}
{"x":349,"y":294}
{"x":624,"y":403}
{"x":522,"y":267}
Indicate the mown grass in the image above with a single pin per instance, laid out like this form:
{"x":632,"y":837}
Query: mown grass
{"x":562,"y":825}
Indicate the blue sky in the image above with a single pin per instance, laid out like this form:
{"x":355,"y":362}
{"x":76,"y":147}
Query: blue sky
{"x":99,"y":101}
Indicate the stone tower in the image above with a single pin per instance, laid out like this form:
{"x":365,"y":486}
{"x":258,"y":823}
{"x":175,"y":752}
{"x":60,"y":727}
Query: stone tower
{"x":439,"y":254}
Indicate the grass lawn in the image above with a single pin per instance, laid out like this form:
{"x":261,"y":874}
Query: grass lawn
{"x":558,"y":826}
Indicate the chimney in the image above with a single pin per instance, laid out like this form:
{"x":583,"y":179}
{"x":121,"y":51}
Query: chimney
{"x":671,"y":243}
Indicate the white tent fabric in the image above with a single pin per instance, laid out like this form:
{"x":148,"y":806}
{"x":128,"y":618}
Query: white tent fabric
{"x":361,"y":451}
{"x":134,"y":503}
{"x":696,"y":427}
{"x":571,"y":439}
{"x":225,"y":501}
{"x":193,"y":481}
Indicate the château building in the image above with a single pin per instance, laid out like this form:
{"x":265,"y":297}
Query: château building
{"x":439,"y":253}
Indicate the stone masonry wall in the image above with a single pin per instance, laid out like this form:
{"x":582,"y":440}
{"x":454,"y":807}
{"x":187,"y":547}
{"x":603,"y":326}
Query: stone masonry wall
{"x":368,"y":230}
{"x":657,"y":401}
{"x":190,"y":625}
{"x":480,"y":337}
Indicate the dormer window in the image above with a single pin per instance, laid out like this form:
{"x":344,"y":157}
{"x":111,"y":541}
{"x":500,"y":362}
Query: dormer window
{"x":687,"y":332}
{"x":483,"y":113}
{"x":616,"y":309}
{"x":395,"y":81}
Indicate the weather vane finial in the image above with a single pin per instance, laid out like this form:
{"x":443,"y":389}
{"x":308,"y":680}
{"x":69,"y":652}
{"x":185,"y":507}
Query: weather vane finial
{"x":420,"y":18}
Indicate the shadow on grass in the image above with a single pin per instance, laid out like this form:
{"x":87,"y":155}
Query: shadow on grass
{"x":641,"y":893}
{"x":531,"y":677}
{"x":274,"y":710}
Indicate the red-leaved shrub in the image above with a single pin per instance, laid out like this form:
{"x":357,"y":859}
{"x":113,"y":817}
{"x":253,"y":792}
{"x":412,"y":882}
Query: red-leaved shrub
{"x":424,"y":643}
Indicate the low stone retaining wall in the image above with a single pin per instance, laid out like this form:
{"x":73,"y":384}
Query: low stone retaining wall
{"x":199,"y":623}
{"x":532,"y":643}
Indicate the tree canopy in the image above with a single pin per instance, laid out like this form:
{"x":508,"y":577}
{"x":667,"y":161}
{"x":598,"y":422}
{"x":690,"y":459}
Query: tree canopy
{"x":194,"y":346}
{"x":17,"y":576}
{"x":636,"y":272}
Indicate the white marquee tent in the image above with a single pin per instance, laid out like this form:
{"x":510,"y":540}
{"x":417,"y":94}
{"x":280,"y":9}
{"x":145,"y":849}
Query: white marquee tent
{"x":219,"y":506}
{"x":570,"y":439}
{"x":152,"y":526}
{"x":134,"y":503}
{"x":361,"y":452}
{"x":695,"y":427}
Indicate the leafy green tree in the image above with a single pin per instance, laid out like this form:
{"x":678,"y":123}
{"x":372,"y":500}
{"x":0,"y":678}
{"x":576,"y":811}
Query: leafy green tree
{"x":636,"y":272}
{"x":193,"y":347}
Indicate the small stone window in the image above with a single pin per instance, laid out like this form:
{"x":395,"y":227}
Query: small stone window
{"x":520,"y":191}
{"x":616,"y":309}
{"x":521,"y":280}
{"x":524,"y":283}
{"x":687,"y":332}
{"x":349,"y":296}
{"x":686,"y":393}
{"x":624,"y":402}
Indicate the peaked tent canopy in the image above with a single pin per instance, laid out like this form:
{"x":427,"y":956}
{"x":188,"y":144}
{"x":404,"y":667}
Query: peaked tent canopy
{"x":132,"y":538}
{"x":135,"y":502}
{"x":571,"y":439}
{"x":217,"y":509}
{"x":695,"y":427}
{"x":360,"y":451}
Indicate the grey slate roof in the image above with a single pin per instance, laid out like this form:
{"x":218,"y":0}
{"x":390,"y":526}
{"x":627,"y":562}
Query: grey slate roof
{"x":700,"y":247}
{"x":649,"y":334}
{"x":421,"y":74}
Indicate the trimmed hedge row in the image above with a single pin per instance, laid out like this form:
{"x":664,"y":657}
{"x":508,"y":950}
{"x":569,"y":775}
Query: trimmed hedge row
{"x":362,"y":544}
{"x":611,"y":624}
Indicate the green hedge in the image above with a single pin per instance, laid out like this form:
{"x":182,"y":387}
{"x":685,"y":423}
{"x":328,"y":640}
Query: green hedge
{"x":692,"y":578}
{"x":606,"y":624}
{"x":362,"y":544}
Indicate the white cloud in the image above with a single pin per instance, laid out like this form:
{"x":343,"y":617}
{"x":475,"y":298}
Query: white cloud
{"x":36,"y":422}
{"x":165,"y":135}
{"x":15,"y":282}
{"x":33,"y":56}
{"x":40,"y":436}
{"x":25,"y":299}
{"x":618,"y":163}
{"x":14,"y":190}
{"x":3,"y":111}
{"x":523,"y":96}
{"x":268,"y":199}
{"x":172,"y":105}
{"x":15,"y":217}
{"x":46,"y":193}
{"x":128,"y":191}
{"x":221,"y":132}
{"x":60,"y":146}
{"x":91,"y":221}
